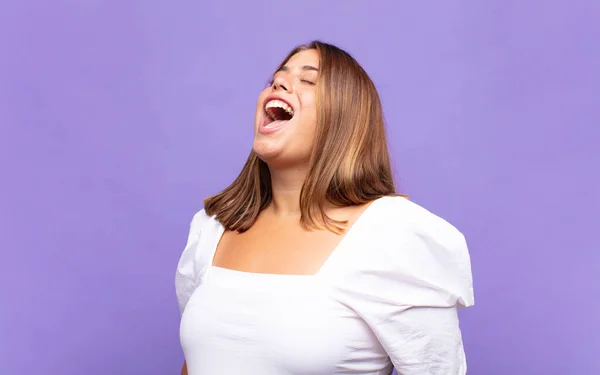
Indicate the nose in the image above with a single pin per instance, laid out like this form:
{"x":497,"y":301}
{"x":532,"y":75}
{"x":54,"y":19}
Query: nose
{"x":281,"y":83}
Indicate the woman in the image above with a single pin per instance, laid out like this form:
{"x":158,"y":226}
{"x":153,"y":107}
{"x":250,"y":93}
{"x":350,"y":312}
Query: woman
{"x":309,"y":263}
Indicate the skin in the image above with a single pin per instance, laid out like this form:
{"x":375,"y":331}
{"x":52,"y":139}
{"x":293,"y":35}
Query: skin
{"x":276,"y":243}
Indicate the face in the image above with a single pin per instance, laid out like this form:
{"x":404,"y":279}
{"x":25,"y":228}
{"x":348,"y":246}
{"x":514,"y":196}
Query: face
{"x":286,"y":113}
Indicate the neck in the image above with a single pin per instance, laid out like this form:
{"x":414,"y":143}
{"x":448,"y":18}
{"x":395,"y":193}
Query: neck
{"x":286,"y":185}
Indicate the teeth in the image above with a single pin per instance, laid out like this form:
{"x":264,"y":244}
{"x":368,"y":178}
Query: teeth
{"x":279,"y":104}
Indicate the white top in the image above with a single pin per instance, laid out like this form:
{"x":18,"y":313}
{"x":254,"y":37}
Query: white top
{"x":387,"y":296}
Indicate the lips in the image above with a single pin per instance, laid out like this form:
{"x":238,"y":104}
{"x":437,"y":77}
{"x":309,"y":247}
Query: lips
{"x":277,"y":112}
{"x":272,"y":126}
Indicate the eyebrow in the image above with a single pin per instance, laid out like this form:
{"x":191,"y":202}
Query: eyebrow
{"x":305,"y":68}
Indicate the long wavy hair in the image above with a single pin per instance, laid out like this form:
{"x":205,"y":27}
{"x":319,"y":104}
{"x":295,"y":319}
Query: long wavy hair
{"x":349,"y":165}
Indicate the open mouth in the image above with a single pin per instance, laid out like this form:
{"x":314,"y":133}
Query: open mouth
{"x":278,"y":110}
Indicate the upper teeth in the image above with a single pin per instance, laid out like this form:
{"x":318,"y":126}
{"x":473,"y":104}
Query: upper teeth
{"x":279,"y":104}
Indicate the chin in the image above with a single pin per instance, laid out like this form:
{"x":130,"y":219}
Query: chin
{"x":267,"y":150}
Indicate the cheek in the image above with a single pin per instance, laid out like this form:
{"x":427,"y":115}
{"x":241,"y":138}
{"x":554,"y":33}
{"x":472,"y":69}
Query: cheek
{"x":261,"y":98}
{"x":309,"y":107}
{"x":308,"y":125}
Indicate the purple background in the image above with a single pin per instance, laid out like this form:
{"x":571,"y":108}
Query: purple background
{"x":118,"y":117}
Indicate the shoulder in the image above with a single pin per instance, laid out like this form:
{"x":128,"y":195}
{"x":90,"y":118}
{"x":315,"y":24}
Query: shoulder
{"x":407,"y":229}
{"x":401,"y":216}
{"x":414,"y":256}
{"x":199,"y":220}
{"x":202,"y":227}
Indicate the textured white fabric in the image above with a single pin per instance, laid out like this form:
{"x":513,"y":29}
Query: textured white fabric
{"x":387,"y":296}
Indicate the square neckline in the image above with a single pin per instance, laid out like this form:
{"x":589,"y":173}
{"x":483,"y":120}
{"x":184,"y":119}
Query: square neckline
{"x":336,"y":250}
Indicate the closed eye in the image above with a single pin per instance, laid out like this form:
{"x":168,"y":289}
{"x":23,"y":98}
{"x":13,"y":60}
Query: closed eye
{"x":308,"y":82}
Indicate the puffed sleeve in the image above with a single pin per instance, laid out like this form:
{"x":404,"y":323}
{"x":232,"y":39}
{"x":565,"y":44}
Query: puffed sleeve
{"x":186,"y":276}
{"x":408,"y":287}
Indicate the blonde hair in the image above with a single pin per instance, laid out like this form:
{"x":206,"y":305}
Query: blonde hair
{"x":349,"y":165}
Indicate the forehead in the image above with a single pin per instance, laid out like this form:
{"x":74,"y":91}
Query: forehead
{"x":309,"y":57}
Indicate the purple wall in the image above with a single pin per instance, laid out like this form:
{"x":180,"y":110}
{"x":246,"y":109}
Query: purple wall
{"x":118,"y":117}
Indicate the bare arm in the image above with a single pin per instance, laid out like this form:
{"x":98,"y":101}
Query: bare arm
{"x":184,"y":369}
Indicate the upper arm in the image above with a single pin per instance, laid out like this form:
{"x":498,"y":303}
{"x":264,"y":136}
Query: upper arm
{"x":186,"y":276}
{"x":423,"y":340}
